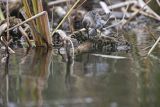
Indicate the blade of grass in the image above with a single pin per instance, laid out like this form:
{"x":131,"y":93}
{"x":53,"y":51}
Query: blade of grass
{"x":25,"y":35}
{"x":75,"y":4}
{"x":44,"y":24}
{"x":35,"y":6}
{"x":40,"y":26}
{"x":32,"y":23}
{"x":27,"y":8}
{"x":7,"y":14}
{"x":155,"y":44}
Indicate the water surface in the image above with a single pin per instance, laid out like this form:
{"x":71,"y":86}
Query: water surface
{"x":41,"y":78}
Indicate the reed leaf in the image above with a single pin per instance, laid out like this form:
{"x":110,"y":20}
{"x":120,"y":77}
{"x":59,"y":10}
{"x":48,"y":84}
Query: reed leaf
{"x":44,"y":21}
{"x":32,"y":23}
{"x":40,"y":27}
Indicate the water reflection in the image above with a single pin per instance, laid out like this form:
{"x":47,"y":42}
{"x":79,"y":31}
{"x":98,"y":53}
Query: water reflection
{"x":4,"y":90}
{"x":35,"y":78}
{"x":49,"y":78}
{"x":145,"y":69}
{"x":26,"y":84}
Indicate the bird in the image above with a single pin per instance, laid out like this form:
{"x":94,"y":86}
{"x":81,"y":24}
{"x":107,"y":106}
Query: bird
{"x":95,"y":20}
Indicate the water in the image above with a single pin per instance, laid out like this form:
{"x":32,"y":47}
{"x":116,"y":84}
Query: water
{"x":41,"y":78}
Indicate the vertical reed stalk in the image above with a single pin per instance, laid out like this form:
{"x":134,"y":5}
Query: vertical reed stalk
{"x":40,"y":26}
{"x":7,"y":8}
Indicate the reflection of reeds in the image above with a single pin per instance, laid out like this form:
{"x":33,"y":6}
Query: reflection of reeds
{"x":40,"y":26}
{"x":42,"y":59}
{"x":36,"y":75}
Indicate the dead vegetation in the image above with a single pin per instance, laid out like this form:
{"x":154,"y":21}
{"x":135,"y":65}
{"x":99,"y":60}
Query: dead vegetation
{"x":40,"y":24}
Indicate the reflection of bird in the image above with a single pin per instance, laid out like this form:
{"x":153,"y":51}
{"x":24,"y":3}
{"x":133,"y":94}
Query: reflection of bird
{"x":95,"y":19}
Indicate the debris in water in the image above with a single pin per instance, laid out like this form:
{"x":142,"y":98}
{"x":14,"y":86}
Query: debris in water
{"x":110,"y":56}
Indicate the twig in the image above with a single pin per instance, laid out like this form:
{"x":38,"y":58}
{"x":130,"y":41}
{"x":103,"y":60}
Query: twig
{"x":151,"y":33}
{"x":6,"y":45}
{"x":136,"y":13}
{"x":81,"y":3}
{"x":143,"y":4}
{"x":144,"y":13}
{"x":25,"y":35}
{"x":29,"y":19}
{"x":56,"y":2}
{"x":158,"y":2}
{"x":155,"y":44}
{"x":146,"y":48}
{"x":26,"y":27}
{"x":122,"y":20}
{"x":122,"y":4}
{"x":110,"y":56}
{"x":119,"y":15}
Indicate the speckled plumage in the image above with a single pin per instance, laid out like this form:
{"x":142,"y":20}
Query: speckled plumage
{"x":95,"y":19}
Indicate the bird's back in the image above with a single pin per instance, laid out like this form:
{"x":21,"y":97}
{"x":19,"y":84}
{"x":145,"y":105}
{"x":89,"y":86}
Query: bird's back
{"x":95,"y":19}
